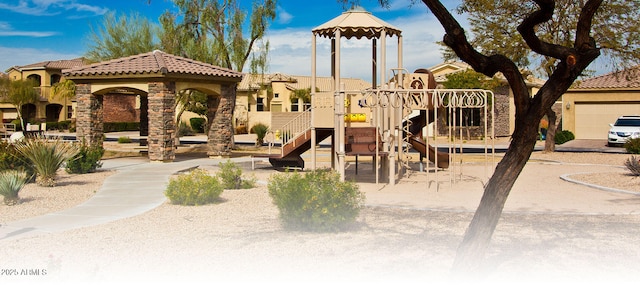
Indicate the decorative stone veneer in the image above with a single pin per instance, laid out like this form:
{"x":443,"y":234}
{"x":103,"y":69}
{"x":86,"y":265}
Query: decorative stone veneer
{"x":220,"y":137}
{"x":161,"y":103}
{"x":89,"y":117}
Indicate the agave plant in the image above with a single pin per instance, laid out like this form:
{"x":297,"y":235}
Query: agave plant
{"x":47,"y":156}
{"x":11,"y":182}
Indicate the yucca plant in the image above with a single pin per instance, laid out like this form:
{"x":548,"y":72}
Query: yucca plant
{"x":11,"y":182}
{"x":47,"y":156}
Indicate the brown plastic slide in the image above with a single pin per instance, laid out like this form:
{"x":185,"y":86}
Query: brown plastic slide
{"x":418,"y":123}
{"x":420,"y":146}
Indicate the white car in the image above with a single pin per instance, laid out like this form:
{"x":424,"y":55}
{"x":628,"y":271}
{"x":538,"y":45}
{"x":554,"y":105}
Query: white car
{"x":625,"y":127}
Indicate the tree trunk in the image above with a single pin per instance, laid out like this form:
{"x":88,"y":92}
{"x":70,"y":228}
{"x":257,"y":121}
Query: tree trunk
{"x":477,"y":237}
{"x":550,"y":142}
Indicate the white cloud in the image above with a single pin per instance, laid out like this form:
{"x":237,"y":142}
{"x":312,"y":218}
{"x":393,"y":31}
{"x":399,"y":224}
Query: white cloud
{"x":291,"y":49}
{"x":283,"y":17}
{"x":51,"y":7}
{"x":7,"y":31}
{"x":23,"y":56}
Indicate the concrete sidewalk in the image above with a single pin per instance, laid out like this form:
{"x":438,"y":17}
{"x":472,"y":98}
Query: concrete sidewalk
{"x":137,"y":186}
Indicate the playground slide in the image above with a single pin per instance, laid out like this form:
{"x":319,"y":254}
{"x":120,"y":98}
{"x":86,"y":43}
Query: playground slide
{"x":417,"y":123}
{"x":420,"y":146}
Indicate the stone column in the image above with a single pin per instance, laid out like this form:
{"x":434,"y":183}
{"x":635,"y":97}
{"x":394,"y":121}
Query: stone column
{"x":89,"y":117}
{"x":162,"y":96}
{"x":144,"y":119}
{"x":220,"y":136}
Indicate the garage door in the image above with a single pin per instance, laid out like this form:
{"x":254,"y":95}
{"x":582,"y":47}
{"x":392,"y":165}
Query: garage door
{"x":593,"y":119}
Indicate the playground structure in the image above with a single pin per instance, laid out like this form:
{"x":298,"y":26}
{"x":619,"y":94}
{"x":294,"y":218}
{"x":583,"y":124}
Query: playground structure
{"x":385,"y":122}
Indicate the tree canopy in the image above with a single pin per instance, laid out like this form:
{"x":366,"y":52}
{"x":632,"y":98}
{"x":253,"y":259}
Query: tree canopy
{"x":18,"y":93}
{"x":213,"y":32}
{"x":121,"y":36}
{"x":616,"y":30}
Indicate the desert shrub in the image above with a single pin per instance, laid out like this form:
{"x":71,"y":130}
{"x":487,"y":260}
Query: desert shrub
{"x":632,"y":146}
{"x":241,"y":130}
{"x":194,"y":188}
{"x":59,"y":126}
{"x":563,"y":136}
{"x":184,"y":130}
{"x":87,"y":160}
{"x":11,"y":182}
{"x":633,"y":165}
{"x":315,"y":201}
{"x":260,"y":130}
{"x":230,"y":175}
{"x":198,"y":124}
{"x":46,"y":156}
{"x":10,"y":159}
{"x":120,"y":126}
{"x":124,"y":140}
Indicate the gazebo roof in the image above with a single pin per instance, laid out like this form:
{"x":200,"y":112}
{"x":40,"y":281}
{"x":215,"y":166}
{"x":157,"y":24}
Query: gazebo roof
{"x":152,"y":64}
{"x":358,"y":23}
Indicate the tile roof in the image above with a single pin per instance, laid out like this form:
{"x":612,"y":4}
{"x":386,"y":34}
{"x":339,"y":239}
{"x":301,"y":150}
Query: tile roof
{"x":55,"y":64}
{"x":152,"y":63}
{"x":628,"y":78}
{"x":294,"y":82}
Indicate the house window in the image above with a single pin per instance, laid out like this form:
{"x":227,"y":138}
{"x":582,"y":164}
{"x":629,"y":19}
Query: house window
{"x":69,"y":112}
{"x":276,"y":95}
{"x":260,"y":105}
{"x":294,"y":105}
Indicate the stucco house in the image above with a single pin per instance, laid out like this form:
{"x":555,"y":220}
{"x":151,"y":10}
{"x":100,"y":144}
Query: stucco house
{"x":44,"y":74}
{"x":592,"y":104}
{"x":503,"y":96}
{"x":270,"y":98}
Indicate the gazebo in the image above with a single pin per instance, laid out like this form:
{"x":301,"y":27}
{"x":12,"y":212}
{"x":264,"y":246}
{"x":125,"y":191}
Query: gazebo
{"x":357,"y":23}
{"x":156,"y":77}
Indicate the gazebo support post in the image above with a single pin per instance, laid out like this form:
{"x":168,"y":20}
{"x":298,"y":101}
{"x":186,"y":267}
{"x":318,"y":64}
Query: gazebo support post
{"x":162,"y":121}
{"x":89,"y":121}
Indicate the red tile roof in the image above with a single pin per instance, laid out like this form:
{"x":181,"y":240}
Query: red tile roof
{"x":628,"y":78}
{"x":152,"y":63}
{"x":55,"y":64}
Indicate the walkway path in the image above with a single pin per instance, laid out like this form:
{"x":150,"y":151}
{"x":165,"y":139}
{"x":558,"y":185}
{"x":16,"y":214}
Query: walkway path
{"x":136,"y":187}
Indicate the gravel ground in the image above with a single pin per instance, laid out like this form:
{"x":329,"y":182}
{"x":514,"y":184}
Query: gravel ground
{"x":241,"y":240}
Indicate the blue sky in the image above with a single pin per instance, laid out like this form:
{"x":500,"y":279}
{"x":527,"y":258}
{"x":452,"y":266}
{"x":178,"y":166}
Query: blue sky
{"x":38,"y":30}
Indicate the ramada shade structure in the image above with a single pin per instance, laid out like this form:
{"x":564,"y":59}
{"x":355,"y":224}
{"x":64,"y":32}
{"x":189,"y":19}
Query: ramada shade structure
{"x":156,"y":77}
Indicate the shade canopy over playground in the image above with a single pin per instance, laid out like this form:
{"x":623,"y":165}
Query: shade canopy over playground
{"x":357,"y":23}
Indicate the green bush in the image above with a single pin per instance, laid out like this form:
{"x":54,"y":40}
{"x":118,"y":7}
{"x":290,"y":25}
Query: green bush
{"x":633,"y":165}
{"x":260,"y":130}
{"x":58,"y":126}
{"x":11,"y":182}
{"x":194,"y":188}
{"x":46,"y":156}
{"x":121,"y":126}
{"x":230,"y":175}
{"x":632,"y":146}
{"x":10,"y":159}
{"x":87,"y":160}
{"x":563,"y":136}
{"x":124,"y":140}
{"x":184,"y":130}
{"x":198,"y":124}
{"x":315,"y":201}
{"x":18,"y":125}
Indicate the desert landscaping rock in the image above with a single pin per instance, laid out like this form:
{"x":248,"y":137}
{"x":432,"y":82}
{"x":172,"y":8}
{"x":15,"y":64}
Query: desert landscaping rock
{"x":551,"y":230}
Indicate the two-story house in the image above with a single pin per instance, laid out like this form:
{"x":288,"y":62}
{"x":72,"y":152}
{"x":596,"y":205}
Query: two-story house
{"x":47,"y":108}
